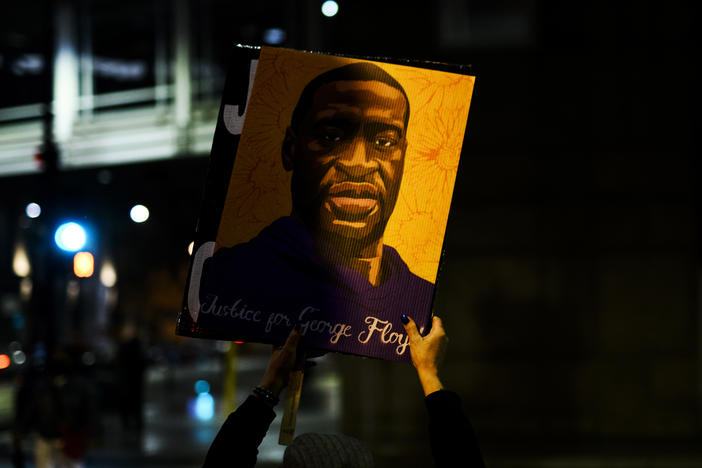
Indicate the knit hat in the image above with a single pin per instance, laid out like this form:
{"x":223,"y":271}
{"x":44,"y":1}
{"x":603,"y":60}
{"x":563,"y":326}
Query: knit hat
{"x":314,"y":450}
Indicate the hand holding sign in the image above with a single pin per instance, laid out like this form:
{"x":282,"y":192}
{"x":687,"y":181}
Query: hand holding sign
{"x":427,"y":352}
{"x":281,"y":364}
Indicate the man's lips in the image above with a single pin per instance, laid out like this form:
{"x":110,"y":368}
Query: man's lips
{"x":354,"y":190}
{"x":353,"y":206}
{"x":353,"y":198}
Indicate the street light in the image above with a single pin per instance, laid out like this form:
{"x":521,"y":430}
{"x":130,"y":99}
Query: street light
{"x":139,"y":213}
{"x":108,"y":274}
{"x":32,"y":210}
{"x":330,"y":8}
{"x":83,"y":264}
{"x":20,"y":262}
{"x":70,"y":237}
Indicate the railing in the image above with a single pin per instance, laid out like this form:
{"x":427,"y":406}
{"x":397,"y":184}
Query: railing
{"x":110,"y":128}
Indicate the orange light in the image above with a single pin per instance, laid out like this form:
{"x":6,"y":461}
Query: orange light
{"x":83,"y":264}
{"x":4,"y":361}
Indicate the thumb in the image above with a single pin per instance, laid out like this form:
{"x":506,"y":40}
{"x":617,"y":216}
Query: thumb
{"x":411,"y":329}
{"x":437,"y":324}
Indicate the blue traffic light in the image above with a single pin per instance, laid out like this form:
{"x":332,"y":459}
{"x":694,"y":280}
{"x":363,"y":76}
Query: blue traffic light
{"x":70,"y":237}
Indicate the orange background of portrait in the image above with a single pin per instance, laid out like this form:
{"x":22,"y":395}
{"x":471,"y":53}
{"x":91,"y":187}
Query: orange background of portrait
{"x":259,"y":189}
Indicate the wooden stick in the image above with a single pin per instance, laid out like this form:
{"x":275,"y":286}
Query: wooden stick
{"x":292,"y":401}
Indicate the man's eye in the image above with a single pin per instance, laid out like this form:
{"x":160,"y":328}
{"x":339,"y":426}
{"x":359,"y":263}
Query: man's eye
{"x":385,"y":142}
{"x":329,"y":135}
{"x":385,"y":138}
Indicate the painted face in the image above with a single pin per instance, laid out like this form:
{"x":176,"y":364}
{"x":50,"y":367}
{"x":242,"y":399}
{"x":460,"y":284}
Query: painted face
{"x":347,"y":158}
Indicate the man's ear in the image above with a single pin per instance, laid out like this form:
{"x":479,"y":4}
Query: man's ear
{"x":288,"y":151}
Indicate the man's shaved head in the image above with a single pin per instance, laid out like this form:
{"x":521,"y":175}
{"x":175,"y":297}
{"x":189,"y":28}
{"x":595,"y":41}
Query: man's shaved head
{"x":362,"y":71}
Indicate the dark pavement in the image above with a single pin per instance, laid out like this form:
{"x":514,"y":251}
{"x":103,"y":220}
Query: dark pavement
{"x":174,"y":437}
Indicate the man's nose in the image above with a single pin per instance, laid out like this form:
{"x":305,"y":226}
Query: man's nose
{"x":354,"y":159}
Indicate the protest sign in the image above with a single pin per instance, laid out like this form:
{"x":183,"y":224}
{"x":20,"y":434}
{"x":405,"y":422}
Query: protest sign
{"x":327,"y":200}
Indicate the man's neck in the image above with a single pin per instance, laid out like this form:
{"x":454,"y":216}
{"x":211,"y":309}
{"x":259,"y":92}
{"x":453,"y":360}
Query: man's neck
{"x":366,"y":261}
{"x":369,"y":266}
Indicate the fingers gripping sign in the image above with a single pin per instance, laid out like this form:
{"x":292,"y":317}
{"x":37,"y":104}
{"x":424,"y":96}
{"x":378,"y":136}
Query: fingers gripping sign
{"x":281,"y":364}
{"x":427,"y":352}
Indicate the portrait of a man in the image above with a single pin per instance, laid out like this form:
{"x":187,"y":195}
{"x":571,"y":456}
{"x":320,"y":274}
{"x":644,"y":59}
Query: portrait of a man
{"x":324,"y":262}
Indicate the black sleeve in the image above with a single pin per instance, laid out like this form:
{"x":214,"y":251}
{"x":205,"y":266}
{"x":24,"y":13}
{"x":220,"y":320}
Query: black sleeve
{"x":238,"y":439}
{"x":453,"y":442}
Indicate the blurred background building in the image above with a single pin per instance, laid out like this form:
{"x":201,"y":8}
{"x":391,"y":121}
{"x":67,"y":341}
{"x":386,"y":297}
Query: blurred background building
{"x":571,"y":282}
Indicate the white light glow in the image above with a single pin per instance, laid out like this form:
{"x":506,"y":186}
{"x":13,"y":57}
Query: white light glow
{"x":274,"y":36}
{"x":66,"y":71}
{"x":70,"y":237}
{"x":191,"y":246}
{"x":20,"y":262}
{"x":108,"y":274}
{"x":139,"y":213}
{"x":18,"y":357}
{"x":330,"y":8}
{"x":204,"y":407}
{"x":33,"y":210}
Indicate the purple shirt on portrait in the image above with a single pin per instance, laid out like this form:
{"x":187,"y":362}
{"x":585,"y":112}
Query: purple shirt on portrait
{"x":258,"y":290}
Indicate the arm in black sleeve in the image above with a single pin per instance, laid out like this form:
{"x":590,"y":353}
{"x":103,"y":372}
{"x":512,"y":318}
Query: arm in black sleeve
{"x":238,"y":439}
{"x":453,"y":442}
